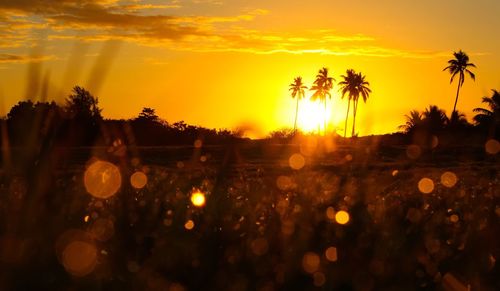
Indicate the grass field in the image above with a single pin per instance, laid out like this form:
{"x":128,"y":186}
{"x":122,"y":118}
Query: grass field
{"x":271,"y":217}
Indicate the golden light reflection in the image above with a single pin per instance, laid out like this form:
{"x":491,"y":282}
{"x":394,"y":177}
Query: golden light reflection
{"x":449,"y":179}
{"x":79,"y":258}
{"x":198,"y":198}
{"x":138,"y":180}
{"x":102,"y":179}
{"x":342,"y":217}
{"x":425,"y":185}
{"x":296,"y":161}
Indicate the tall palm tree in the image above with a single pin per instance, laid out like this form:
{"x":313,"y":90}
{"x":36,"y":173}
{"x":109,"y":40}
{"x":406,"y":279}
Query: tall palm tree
{"x":489,"y":116}
{"x":348,"y":84}
{"x":459,"y":65}
{"x":413,"y":120}
{"x":297,"y":88}
{"x":321,"y":87}
{"x":364,"y":91}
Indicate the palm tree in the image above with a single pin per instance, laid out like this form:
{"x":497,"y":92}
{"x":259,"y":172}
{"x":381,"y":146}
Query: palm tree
{"x":363,"y":90}
{"x":490,"y":116}
{"x":435,"y":119}
{"x":459,"y":65}
{"x":348,"y":85}
{"x":413,"y":120}
{"x":322,"y":86}
{"x":297,"y":88}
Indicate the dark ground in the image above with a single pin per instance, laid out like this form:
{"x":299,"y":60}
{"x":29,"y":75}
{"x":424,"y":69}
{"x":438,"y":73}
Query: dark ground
{"x":265,"y":226}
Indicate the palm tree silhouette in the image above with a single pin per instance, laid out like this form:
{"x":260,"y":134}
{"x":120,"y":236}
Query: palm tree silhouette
{"x":297,"y":88}
{"x":491,"y":116}
{"x":459,"y":65}
{"x":322,"y":86}
{"x":348,"y":85}
{"x":363,"y":90}
{"x":413,"y":120}
{"x":435,"y":119}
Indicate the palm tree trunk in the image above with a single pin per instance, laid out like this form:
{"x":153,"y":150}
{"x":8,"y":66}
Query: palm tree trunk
{"x":296,"y":114}
{"x":347,"y":116}
{"x":456,"y":98}
{"x":354,"y":115}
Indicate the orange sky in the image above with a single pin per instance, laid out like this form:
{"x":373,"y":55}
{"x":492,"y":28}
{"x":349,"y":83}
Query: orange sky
{"x":228,"y":63}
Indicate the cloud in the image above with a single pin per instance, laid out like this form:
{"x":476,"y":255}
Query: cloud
{"x":102,"y":20}
{"x":11,"y":58}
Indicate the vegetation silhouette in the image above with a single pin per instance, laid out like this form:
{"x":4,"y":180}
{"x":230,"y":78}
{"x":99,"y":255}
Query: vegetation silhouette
{"x":489,"y":118}
{"x":321,"y":87}
{"x":355,"y":84}
{"x":459,"y":65}
{"x":297,"y":88}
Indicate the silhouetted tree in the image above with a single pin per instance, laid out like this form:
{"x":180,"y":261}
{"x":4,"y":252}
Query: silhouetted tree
{"x":297,"y":88}
{"x":347,"y":85}
{"x":458,"y":121}
{"x":148,"y":114}
{"x":363,"y":90}
{"x":321,"y":87}
{"x":413,"y":120}
{"x":459,"y":65}
{"x":435,"y":119}
{"x":489,"y":117}
{"x":84,"y":116}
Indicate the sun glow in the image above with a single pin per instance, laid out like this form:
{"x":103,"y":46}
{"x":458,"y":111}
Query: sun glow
{"x":312,"y":115}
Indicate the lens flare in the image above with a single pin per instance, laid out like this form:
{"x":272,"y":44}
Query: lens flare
{"x":102,"y":179}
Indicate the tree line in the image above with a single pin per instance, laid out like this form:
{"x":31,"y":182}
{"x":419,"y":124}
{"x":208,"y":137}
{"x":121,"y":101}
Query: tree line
{"x":79,"y":122}
{"x":433,"y":120}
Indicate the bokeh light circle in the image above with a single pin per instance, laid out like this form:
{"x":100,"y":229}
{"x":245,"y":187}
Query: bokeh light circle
{"x":426,"y":185}
{"x":198,"y":199}
{"x":331,"y":254}
{"x":102,"y":179}
{"x":449,"y":179}
{"x":79,"y":258}
{"x":296,"y":161}
{"x":310,"y":262}
{"x":492,"y":147}
{"x":138,"y":180}
{"x":413,"y":151}
{"x":342,"y":217}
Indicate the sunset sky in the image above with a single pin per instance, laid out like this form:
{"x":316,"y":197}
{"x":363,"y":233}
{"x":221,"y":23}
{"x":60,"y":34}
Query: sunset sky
{"x":228,"y":63}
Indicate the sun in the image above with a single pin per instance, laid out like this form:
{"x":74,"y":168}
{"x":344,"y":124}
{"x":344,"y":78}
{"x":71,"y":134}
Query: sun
{"x":312,"y":116}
